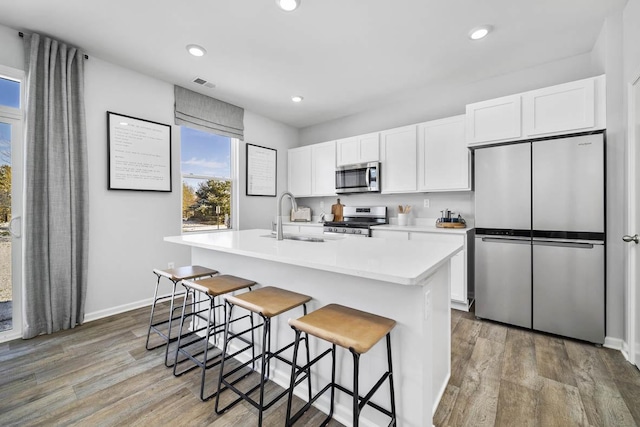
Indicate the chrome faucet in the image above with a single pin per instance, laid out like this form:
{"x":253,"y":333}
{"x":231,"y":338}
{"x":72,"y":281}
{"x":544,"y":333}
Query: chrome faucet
{"x":294,"y":206}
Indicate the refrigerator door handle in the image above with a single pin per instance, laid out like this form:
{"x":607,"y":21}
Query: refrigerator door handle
{"x":524,"y":241}
{"x":564,"y":244}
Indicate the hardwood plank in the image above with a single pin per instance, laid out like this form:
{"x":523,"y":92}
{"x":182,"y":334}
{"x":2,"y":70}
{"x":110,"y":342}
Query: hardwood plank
{"x":517,"y":405}
{"x":631,"y":394}
{"x":520,"y":366}
{"x":552,"y":360}
{"x":600,"y":397}
{"x":618,"y":367}
{"x":446,"y":405}
{"x":23,"y":413}
{"x":478,"y":397}
{"x":494,"y":331}
{"x":559,"y":405}
{"x":463,"y":341}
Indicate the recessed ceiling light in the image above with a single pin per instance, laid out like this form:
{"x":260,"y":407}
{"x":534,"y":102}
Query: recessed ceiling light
{"x":196,"y":50}
{"x":288,"y":5}
{"x":480,"y":32}
{"x":297,"y":98}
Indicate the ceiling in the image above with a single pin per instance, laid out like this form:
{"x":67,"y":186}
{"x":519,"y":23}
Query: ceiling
{"x":342,"y":56}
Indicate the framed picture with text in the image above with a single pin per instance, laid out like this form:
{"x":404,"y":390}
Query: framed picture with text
{"x":262,"y":167}
{"x":139,"y":154}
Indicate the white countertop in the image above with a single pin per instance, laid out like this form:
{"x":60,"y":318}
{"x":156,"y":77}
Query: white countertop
{"x":424,"y":225}
{"x":389,"y":260}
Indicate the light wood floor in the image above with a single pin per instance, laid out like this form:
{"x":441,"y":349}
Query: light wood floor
{"x":507,"y":376}
{"x":99,"y":374}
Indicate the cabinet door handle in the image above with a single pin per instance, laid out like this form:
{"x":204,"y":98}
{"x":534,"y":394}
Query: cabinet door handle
{"x":630,"y":239}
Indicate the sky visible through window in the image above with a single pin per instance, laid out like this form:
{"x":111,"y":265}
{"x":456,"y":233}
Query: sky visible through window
{"x":205,"y":154}
{"x":9,"y":93}
{"x":5,"y":143}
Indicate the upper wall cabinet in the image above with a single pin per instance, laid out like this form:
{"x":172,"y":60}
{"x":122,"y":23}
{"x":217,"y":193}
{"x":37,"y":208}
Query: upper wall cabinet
{"x":358,"y":149}
{"x":566,"y":108}
{"x":312,"y":170}
{"x":494,"y":120}
{"x":323,"y":169}
{"x":444,"y":161}
{"x":398,"y":154}
{"x":299,"y":171}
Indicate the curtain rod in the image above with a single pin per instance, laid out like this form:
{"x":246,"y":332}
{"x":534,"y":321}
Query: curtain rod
{"x":21,"y":34}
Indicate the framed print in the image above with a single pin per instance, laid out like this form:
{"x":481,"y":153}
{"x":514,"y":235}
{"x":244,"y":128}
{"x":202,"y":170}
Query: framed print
{"x":261,"y":171}
{"x":139,"y":156}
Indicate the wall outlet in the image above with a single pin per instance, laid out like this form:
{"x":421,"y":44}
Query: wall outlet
{"x":427,"y":305}
{"x":321,"y":205}
{"x":171,"y":265}
{"x":426,"y":203}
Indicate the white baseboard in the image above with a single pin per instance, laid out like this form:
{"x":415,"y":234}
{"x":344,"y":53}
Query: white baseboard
{"x":90,"y":317}
{"x":614,"y":343}
{"x":10,"y":336}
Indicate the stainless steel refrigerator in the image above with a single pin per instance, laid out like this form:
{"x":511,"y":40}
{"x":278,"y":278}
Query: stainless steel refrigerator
{"x":540,"y":235}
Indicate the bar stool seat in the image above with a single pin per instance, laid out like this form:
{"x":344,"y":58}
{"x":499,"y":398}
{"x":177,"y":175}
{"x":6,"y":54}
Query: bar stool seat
{"x":209,"y":288}
{"x":175,"y":275}
{"x":352,"y":329}
{"x":344,"y":326}
{"x":267,"y":302}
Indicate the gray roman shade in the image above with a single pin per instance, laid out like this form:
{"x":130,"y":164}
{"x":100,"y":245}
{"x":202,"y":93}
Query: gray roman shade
{"x":208,"y":114}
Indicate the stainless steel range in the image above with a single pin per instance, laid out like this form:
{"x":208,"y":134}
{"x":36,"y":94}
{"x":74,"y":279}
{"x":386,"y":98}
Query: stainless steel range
{"x":357,"y":220}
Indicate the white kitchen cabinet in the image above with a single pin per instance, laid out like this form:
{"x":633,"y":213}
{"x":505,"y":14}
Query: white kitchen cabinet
{"x":398,"y":155}
{"x":573,"y":107}
{"x":494,"y":120}
{"x":299,"y":169}
{"x":323,"y":169}
{"x":569,"y":107}
{"x":461,"y":267}
{"x":312,"y":170}
{"x":444,"y":160}
{"x":358,"y":149}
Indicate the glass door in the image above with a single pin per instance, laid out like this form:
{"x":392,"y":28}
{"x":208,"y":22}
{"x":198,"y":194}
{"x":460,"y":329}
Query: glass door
{"x":10,"y":204}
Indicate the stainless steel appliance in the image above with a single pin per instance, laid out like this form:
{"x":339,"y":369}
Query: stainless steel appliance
{"x":540,"y":235}
{"x":358,"y":178}
{"x":357,"y":221}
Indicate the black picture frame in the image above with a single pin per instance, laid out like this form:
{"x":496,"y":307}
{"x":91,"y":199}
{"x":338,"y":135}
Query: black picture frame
{"x":138,"y":154}
{"x":262,"y":171}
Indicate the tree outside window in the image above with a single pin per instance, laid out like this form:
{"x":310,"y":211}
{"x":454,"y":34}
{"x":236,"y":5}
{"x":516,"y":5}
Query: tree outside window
{"x":206,"y":181}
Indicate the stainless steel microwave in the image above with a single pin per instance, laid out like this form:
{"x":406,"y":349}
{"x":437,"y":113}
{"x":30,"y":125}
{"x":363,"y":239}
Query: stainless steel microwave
{"x":358,"y":178}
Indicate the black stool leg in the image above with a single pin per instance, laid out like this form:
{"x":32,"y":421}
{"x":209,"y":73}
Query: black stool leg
{"x":184,"y":309}
{"x":292,"y":383}
{"x":356,"y":398}
{"x":391,"y":388}
{"x":225,"y":346}
{"x":266,"y":349}
{"x":166,"y":350}
{"x":153,"y":308}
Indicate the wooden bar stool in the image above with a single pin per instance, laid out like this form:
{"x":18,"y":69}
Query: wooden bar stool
{"x":193,"y":344}
{"x":354,"y":330}
{"x":267,"y":303}
{"x":175,"y":275}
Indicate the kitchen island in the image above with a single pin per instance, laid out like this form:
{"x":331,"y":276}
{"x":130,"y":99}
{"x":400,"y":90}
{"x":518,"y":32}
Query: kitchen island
{"x":407,"y":281}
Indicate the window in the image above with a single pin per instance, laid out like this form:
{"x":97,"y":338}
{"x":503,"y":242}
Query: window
{"x":206,"y":180}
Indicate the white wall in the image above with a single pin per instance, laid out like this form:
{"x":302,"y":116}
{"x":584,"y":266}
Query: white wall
{"x":126,"y":227}
{"x":258,"y":211}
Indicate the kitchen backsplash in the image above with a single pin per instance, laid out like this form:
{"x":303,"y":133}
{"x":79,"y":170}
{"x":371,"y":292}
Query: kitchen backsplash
{"x":460,"y":203}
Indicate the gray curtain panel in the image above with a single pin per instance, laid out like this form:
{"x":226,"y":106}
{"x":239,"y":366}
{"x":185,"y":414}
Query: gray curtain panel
{"x":208,"y":114}
{"x":57,"y":198}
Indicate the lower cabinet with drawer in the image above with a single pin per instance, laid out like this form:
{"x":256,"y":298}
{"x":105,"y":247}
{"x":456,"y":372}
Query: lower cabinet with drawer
{"x":461,"y":272}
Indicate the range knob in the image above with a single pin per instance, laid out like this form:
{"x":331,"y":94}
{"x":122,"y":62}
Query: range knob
{"x":344,"y":230}
{"x":358,"y":231}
